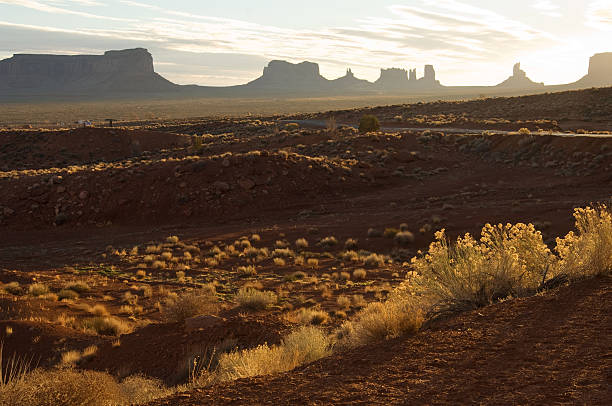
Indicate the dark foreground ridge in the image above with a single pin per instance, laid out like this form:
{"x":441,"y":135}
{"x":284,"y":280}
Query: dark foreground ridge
{"x":130,"y":74}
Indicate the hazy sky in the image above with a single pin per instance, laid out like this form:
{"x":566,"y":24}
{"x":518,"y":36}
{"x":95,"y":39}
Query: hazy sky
{"x":229,"y":42}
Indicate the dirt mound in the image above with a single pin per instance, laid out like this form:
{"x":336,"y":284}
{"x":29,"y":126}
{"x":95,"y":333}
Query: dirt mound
{"x":41,"y":343}
{"x":164,"y":350}
{"x":46,"y":149}
{"x":546,"y":349}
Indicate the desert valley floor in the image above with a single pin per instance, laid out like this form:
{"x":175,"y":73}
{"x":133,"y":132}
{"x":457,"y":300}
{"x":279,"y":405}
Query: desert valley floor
{"x":112,"y":224}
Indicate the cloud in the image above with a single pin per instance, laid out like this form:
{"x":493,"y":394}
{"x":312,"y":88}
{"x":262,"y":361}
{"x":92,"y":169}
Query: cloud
{"x":447,"y":33}
{"x":47,"y":8}
{"x":546,"y":7}
{"x":599,"y":15}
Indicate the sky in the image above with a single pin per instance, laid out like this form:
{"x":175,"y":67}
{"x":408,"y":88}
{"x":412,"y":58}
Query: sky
{"x":218,"y":43}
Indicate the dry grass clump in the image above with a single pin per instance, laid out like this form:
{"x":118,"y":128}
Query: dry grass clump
{"x":190,"y":304}
{"x":283,"y":253}
{"x":312,"y":316}
{"x":279,"y":262}
{"x":13,"y":288}
{"x":312,"y":262}
{"x":344,"y":301}
{"x":38,"y":289}
{"x":73,"y":357}
{"x":108,"y":326}
{"x":381,"y":321}
{"x":78,"y":286}
{"x":67,"y":294}
{"x":328,"y":242}
{"x":587,"y":252}
{"x":350,"y":256}
{"x":251,"y":298}
{"x":301,"y":243}
{"x":304,"y":345}
{"x":404,"y":238}
{"x":67,"y":387}
{"x":359,"y":274}
{"x":374,"y":261}
{"x":350,"y":244}
{"x":248,"y":270}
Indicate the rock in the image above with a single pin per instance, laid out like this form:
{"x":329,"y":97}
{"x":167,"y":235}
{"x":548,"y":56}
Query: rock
{"x":83,"y":195}
{"x":225,"y":163}
{"x":202,"y":322}
{"x":128,"y":70}
{"x":221,"y":186}
{"x":246,"y":184}
{"x":8,"y":211}
{"x":61,"y":218}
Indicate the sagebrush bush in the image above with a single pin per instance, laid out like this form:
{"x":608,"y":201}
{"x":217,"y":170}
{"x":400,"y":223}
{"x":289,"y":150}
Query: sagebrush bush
{"x":509,"y":260}
{"x":194,"y":303}
{"x":588,"y":251}
{"x":368,"y":123}
{"x":404,"y":238}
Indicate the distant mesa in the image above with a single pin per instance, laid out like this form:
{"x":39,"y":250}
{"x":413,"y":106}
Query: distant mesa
{"x":519,"y":80}
{"x":286,"y":75}
{"x":130,"y":73}
{"x":129,"y":70}
{"x":600,"y":71}
{"x":395,"y":79}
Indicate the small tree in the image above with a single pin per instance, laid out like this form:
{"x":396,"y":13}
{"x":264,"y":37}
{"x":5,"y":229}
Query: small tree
{"x":368,"y":123}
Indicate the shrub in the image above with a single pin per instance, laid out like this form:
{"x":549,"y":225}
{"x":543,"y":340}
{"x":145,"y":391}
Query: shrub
{"x":404,"y":238}
{"x":373,"y":233}
{"x":282,"y":253}
{"x":13,"y":288}
{"x":38,"y":289}
{"x":508,"y":260}
{"x":350,"y":256}
{"x":304,"y":345}
{"x":374,"y":260}
{"x":255,"y":299}
{"x":382,"y":321}
{"x":524,"y":131}
{"x":301,"y":243}
{"x":67,"y":387}
{"x":78,"y":286}
{"x":108,"y":326}
{"x":587,"y":252}
{"x":313,"y":262}
{"x":279,"y":262}
{"x":328,"y":242}
{"x":190,"y":304}
{"x":248,"y":270}
{"x":312,"y":316}
{"x":67,"y":294}
{"x":359,"y":274}
{"x":368,"y":123}
{"x":390,"y":232}
{"x":350,"y":244}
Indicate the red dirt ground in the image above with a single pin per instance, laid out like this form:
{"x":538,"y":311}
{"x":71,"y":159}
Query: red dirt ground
{"x":550,"y":349}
